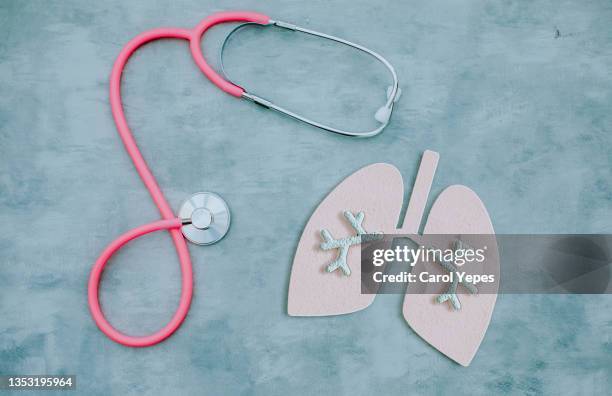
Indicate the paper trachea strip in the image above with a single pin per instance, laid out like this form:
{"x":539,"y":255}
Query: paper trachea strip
{"x":344,"y":244}
{"x":451,"y":293}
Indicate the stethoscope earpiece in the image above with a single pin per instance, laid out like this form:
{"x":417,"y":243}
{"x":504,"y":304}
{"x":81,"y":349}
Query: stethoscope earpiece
{"x":384,"y":113}
{"x":206,"y":218}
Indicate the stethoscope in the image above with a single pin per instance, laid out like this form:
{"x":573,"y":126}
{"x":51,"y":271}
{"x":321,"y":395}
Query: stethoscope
{"x":204,"y":218}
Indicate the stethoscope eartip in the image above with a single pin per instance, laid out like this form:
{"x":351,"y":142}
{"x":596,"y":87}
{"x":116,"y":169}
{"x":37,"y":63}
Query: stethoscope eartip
{"x":384,"y":113}
{"x":206,"y":218}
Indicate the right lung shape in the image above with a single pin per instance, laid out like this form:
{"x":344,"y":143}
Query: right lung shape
{"x":457,"y":334}
{"x":377,"y":190}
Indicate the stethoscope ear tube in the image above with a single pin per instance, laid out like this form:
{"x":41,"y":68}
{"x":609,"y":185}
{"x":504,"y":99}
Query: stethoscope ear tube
{"x":383,"y":114}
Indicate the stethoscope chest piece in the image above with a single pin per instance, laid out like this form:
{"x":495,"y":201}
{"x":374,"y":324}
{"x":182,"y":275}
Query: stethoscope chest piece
{"x":206,"y":218}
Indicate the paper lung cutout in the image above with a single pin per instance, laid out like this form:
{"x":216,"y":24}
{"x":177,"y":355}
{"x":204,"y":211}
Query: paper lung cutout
{"x":377,"y":190}
{"x":457,"y":334}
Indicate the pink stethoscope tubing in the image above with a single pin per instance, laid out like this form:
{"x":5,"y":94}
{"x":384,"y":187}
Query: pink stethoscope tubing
{"x":170,"y":221}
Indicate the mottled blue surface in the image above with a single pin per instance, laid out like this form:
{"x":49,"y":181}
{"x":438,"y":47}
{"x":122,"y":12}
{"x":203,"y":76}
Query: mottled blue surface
{"x":516,"y":96}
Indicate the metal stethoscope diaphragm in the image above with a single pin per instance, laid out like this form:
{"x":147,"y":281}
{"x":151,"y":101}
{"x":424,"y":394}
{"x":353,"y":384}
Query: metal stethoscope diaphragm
{"x":206,"y":218}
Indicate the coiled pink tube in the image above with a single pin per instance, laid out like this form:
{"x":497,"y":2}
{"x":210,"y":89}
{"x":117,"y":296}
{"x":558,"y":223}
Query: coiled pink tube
{"x":170,"y":222}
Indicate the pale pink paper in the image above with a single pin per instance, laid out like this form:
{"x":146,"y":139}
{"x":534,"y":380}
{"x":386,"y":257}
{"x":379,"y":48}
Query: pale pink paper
{"x":457,"y":334}
{"x":377,"y":190}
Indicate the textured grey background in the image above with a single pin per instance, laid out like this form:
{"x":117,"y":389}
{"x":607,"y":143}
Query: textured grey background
{"x":518,"y":111}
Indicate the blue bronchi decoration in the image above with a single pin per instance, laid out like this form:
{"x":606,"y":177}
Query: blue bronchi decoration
{"x":451,"y":292}
{"x":344,"y":244}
